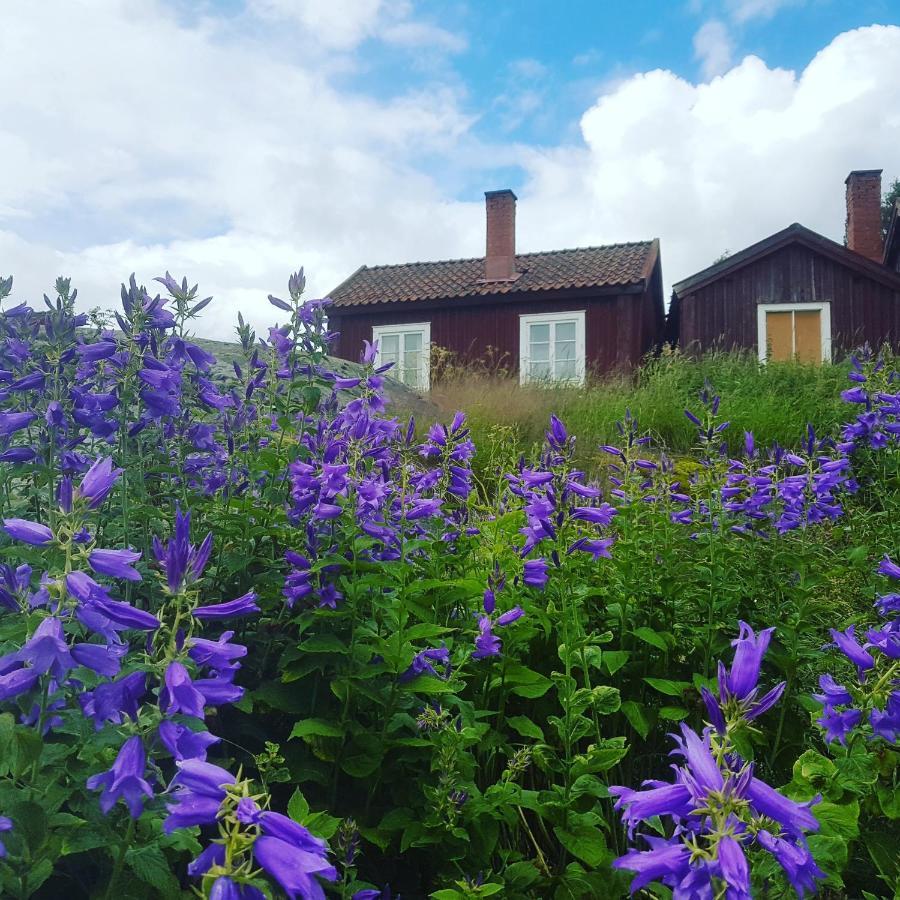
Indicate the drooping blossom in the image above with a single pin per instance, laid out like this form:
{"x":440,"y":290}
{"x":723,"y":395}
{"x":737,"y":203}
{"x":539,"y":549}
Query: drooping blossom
{"x":291,"y":855}
{"x":125,"y":779}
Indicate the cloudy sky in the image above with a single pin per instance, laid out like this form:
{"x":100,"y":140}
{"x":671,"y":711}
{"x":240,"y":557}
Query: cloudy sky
{"x":235,"y":140}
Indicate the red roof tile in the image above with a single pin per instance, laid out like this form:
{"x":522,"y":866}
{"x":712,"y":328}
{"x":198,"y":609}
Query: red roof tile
{"x":614,"y":264}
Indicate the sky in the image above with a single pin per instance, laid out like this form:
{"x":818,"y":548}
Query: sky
{"x":233,"y":141}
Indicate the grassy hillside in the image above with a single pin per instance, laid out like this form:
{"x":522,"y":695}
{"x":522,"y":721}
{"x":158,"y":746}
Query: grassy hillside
{"x":775,"y":402}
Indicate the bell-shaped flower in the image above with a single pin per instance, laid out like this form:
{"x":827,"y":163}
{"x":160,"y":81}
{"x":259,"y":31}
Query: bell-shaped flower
{"x":749,"y":651}
{"x":292,"y":856}
{"x":241,"y":606}
{"x":115,"y":563}
{"x":27,"y":532}
{"x":198,"y":791}
{"x":112,"y":701}
{"x":183,"y":742}
{"x":98,"y":481}
{"x":5,"y":825}
{"x":178,"y":693}
{"x":125,"y":780}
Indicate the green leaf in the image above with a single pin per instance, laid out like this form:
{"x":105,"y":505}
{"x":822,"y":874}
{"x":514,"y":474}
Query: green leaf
{"x":322,"y":824}
{"x":599,"y":758}
{"x":521,"y":875}
{"x":605,"y":700}
{"x":615,"y":659}
{"x":637,"y":719}
{"x":888,"y":800}
{"x":840,"y":819}
{"x":674,"y":713}
{"x":668,"y":686}
{"x":297,"y":807}
{"x":29,"y":818}
{"x":591,"y":785}
{"x":423,"y":631}
{"x":525,"y":682}
{"x":524,"y":726}
{"x":317,"y":728}
{"x":363,"y":756}
{"x":584,"y":842}
{"x":323,"y":643}
{"x":150,"y":865}
{"x":649,"y":636}
{"x":884,"y":850}
{"x":857,"y":772}
{"x":39,"y":873}
{"x":814,"y":768}
{"x":429,"y":684}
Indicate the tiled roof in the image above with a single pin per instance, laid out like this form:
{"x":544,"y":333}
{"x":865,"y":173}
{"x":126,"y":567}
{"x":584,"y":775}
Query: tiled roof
{"x":614,"y":264}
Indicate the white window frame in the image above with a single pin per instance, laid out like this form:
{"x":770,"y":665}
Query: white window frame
{"x":824,"y":325}
{"x":526,"y":321}
{"x":423,"y":328}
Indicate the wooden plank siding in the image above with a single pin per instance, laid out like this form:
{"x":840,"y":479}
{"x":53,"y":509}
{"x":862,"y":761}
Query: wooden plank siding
{"x":722,"y":312}
{"x":621,"y":328}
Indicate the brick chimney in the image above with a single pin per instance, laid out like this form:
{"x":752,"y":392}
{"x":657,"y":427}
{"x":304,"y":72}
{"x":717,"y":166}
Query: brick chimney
{"x":864,"y":213}
{"x":500,"y":255}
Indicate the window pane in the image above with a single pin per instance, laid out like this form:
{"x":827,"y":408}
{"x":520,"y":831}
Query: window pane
{"x":540,"y":352}
{"x":539,"y":371}
{"x":565,"y":331}
{"x":412,"y":340}
{"x":565,"y":350}
{"x":389,"y":348}
{"x":539,"y":333}
{"x":565,"y":368}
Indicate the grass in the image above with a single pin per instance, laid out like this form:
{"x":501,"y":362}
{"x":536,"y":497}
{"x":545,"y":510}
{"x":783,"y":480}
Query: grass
{"x":775,"y":402}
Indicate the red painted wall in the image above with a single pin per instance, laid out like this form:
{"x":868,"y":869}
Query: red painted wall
{"x":723,"y":312}
{"x":619,"y":328}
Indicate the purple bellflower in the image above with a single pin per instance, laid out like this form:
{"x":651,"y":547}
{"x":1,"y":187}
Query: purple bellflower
{"x":125,"y":780}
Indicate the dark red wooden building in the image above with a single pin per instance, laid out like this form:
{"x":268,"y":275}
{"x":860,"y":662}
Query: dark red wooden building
{"x":797,"y":294}
{"x":549,"y":316}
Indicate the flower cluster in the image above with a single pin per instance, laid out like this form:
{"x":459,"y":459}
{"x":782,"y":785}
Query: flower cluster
{"x":870,"y":702}
{"x":563,"y":514}
{"x":718,"y":809}
{"x":250,"y":837}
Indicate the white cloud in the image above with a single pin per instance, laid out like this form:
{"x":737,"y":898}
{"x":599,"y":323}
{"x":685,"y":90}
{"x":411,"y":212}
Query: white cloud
{"x":713,"y":48}
{"x":159,"y":144}
{"x":745,"y":10}
{"x":423,"y":34}
{"x":221,"y":151}
{"x":336,"y":23}
{"x":709,"y":166}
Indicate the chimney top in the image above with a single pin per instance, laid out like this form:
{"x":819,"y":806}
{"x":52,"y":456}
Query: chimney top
{"x":864,"y":213}
{"x":500,"y":249}
{"x":863,"y":173}
{"x":489,"y":194}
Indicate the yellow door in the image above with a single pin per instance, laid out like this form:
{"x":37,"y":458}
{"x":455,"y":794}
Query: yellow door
{"x":808,"y":335}
{"x":780,"y":335}
{"x":794,"y":334}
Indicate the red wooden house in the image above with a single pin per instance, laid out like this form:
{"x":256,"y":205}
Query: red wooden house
{"x":797,"y":294}
{"x":552,"y":316}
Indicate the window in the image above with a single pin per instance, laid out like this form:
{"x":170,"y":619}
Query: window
{"x":551,"y":347}
{"x":800,"y":331}
{"x":408,"y":347}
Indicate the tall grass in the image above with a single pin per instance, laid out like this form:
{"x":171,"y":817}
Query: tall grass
{"x":774,"y":401}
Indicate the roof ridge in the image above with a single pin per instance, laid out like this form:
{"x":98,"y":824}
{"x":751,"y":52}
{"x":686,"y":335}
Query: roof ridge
{"x":462,"y":259}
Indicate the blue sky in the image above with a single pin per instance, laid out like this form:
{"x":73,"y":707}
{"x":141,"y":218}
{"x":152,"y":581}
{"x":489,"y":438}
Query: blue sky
{"x":559,"y":56}
{"x":234,"y":140}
